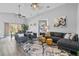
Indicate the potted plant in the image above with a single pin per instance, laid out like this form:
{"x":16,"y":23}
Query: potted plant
{"x":24,"y":27}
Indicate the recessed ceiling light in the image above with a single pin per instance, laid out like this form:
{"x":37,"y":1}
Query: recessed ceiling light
{"x":35,"y":5}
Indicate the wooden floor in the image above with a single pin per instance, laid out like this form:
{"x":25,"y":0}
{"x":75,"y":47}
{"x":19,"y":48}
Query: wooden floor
{"x":9,"y":47}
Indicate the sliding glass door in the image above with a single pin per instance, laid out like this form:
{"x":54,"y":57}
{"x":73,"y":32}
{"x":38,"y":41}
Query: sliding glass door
{"x":11,"y":28}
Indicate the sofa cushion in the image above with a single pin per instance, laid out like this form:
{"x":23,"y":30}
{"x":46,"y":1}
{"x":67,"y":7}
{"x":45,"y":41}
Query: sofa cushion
{"x":57,"y":34}
{"x":55,"y":39}
{"x":68,"y":44}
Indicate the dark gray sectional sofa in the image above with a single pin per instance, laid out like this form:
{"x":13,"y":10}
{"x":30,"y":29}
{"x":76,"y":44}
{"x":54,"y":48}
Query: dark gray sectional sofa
{"x":25,"y":38}
{"x":57,"y":36}
{"x":70,"y":45}
{"x":20,"y":39}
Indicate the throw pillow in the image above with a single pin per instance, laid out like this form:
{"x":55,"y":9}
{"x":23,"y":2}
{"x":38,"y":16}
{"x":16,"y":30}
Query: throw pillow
{"x":72,"y":36}
{"x":21,"y":35}
{"x":67,"y":36}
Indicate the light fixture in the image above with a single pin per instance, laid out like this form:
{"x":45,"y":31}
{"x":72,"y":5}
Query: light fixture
{"x":35,"y":5}
{"x":19,"y":12}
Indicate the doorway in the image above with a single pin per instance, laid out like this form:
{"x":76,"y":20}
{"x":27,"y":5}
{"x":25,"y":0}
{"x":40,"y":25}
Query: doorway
{"x":11,"y":28}
{"x":42,"y":26}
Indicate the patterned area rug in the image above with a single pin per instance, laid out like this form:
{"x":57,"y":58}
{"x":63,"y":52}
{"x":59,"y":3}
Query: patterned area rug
{"x":36,"y":49}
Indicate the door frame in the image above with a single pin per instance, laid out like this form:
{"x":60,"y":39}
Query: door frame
{"x":39,"y":25}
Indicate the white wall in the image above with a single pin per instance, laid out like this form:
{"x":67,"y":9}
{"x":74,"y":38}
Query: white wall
{"x":78,"y":20}
{"x":9,"y":18}
{"x":69,"y":10}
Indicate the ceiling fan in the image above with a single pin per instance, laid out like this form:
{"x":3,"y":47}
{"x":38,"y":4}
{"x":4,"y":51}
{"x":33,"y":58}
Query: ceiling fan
{"x":19,"y":12}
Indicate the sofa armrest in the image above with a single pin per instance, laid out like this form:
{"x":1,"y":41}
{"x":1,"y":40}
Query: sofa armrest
{"x":68,"y":44}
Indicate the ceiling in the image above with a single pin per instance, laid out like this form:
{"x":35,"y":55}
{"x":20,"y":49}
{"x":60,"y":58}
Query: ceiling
{"x":26,"y":8}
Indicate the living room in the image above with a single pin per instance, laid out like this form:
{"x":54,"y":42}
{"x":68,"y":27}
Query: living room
{"x":50,"y":29}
